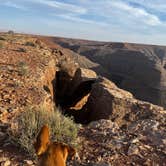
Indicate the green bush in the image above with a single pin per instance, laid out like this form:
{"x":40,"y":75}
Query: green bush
{"x":2,"y":38}
{"x":28,"y":43}
{"x":1,"y":45}
{"x":21,"y":50}
{"x":23,"y":68}
{"x":29,"y":123}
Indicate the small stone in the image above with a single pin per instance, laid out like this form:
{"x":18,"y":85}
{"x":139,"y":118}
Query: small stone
{"x":3,"y":126}
{"x":6,"y":163}
{"x":29,"y":162}
{"x":135,"y":140}
{"x":9,"y":110}
{"x":2,"y":136}
{"x":101,"y":164}
{"x":133,"y":149}
{"x":99,"y":158}
{"x":5,"y":112}
{"x":2,"y":159}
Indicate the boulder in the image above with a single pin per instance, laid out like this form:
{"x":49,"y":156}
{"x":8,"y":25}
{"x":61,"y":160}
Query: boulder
{"x":106,"y":98}
{"x":83,"y":75}
{"x":107,"y":101}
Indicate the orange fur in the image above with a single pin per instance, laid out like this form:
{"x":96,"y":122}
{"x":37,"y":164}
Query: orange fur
{"x":51,"y":154}
{"x":42,"y":140}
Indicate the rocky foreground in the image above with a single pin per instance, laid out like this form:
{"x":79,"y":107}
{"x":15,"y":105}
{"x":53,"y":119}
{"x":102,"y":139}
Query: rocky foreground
{"x":117,"y":128}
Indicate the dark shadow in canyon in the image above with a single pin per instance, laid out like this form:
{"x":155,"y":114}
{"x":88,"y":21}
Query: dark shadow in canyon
{"x":66,"y":97}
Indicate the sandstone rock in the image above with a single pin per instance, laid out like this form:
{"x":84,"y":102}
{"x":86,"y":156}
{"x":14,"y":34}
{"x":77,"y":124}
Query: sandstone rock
{"x":105,"y":98}
{"x":79,"y":105}
{"x":29,"y":162}
{"x":80,"y":86}
{"x":2,"y":136}
{"x":133,"y":150}
{"x":82,"y":75}
{"x":128,"y":131}
{"x":137,"y":68}
{"x":151,"y":132}
{"x":135,"y":132}
{"x":3,"y":159}
{"x":98,"y":164}
{"x":102,"y":164}
{"x":48,"y":103}
{"x":107,"y":101}
{"x":48,"y":77}
{"x":3,"y":126}
{"x":100,"y":134}
{"x":3,"y":111}
{"x":6,"y":163}
{"x":123,"y":147}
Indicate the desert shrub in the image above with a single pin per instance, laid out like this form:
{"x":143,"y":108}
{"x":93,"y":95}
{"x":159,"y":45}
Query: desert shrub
{"x":10,"y":32}
{"x":23,"y":68}
{"x":1,"y":45}
{"x":29,"y":123}
{"x":2,"y":38}
{"x":28,"y":43}
{"x":21,"y":50}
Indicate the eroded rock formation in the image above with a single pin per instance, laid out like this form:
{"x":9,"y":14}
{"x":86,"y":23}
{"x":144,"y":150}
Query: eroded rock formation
{"x":125,"y":131}
{"x":137,"y":68}
{"x":26,"y":75}
{"x":107,"y":101}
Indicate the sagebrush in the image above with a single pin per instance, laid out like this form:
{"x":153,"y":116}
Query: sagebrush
{"x":1,"y":45}
{"x":28,"y":124}
{"x":23,"y":68}
{"x":29,"y":43}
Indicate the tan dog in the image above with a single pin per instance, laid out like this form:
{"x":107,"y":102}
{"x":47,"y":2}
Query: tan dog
{"x":42,"y":141}
{"x":51,"y":154}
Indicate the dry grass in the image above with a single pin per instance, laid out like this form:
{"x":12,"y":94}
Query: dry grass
{"x":23,"y":68}
{"x":2,"y":38}
{"x":30,"y":43}
{"x":1,"y":45}
{"x":28,"y":123}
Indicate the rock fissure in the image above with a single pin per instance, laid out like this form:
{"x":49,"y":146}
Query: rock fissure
{"x":124,"y":131}
{"x":72,"y":94}
{"x":88,"y":98}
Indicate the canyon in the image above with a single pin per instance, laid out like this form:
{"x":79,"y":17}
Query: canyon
{"x":137,"y":68}
{"x":102,"y":90}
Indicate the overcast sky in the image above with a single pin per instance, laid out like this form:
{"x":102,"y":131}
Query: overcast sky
{"x":139,"y":21}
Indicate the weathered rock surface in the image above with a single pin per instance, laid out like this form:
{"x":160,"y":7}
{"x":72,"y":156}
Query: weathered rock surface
{"x":137,"y":68}
{"x":106,"y":101}
{"x":81,"y":76}
{"x":73,"y":91}
{"x":124,"y":147}
{"x":25,"y":75}
{"x":128,"y":131}
{"x":134,"y":133}
{"x":27,"y":69}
